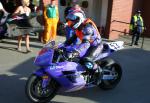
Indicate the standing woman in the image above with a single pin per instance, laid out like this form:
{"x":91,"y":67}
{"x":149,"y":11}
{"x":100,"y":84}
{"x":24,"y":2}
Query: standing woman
{"x":23,"y":9}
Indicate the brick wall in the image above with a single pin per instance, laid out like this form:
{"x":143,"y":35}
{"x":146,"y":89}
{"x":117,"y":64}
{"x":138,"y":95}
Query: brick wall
{"x":121,"y":11}
{"x":146,"y":16}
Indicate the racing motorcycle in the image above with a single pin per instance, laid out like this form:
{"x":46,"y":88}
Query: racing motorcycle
{"x":58,"y":72}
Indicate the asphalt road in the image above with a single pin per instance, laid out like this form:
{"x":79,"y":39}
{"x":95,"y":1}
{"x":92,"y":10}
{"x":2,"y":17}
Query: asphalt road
{"x":15,"y":68}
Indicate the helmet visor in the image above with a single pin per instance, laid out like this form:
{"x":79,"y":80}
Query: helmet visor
{"x":71,"y":17}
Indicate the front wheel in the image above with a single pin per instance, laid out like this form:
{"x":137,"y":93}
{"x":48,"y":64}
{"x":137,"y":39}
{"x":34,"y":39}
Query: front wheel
{"x":36,"y":93}
{"x":111,"y":75}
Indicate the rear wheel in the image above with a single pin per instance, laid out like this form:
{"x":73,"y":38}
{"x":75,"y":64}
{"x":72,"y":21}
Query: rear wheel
{"x":111,"y":75}
{"x":36,"y":93}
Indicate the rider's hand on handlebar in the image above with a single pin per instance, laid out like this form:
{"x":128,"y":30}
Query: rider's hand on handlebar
{"x":55,"y":47}
{"x":72,"y":54}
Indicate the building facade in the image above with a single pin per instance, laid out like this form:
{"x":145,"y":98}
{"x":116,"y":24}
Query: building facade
{"x":119,"y":15}
{"x":114,"y":15}
{"x":111,"y":16}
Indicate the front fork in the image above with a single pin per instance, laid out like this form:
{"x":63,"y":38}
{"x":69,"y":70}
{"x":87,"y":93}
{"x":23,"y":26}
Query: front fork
{"x":44,"y":76}
{"x":45,"y":80}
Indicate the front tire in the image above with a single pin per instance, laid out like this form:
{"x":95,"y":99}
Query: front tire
{"x":36,"y":93}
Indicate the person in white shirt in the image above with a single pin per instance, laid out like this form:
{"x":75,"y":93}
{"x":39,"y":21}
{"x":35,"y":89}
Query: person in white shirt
{"x":23,"y":9}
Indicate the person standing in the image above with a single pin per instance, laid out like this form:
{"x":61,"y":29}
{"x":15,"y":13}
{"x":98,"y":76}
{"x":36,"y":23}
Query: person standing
{"x":51,"y":17}
{"x":136,"y":27}
{"x":23,"y":9}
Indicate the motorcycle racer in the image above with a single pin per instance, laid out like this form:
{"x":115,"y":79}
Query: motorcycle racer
{"x":87,"y":32}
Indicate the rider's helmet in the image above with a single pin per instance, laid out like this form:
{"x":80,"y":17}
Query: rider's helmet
{"x":77,"y":17}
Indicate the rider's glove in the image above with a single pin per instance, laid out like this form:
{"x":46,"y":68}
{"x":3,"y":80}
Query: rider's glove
{"x":75,"y":53}
{"x":72,"y":54}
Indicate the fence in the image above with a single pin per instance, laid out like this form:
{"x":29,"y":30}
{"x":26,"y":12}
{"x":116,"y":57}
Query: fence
{"x":143,"y":38}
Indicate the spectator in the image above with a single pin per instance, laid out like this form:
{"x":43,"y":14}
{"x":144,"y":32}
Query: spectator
{"x":23,"y":9}
{"x":51,"y":17}
{"x":136,"y":27}
{"x":34,"y":4}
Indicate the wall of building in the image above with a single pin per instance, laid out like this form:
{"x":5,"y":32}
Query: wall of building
{"x":120,"y":17}
{"x":121,"y":13}
{"x":62,"y":9}
{"x":146,"y":16}
{"x":103,"y":17}
{"x":96,"y":10}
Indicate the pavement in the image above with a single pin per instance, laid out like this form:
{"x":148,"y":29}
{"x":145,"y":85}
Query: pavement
{"x":144,"y":42}
{"x":16,"y":67}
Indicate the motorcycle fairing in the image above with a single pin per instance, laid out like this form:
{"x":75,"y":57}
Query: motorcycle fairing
{"x":67,"y":74}
{"x":45,"y":59}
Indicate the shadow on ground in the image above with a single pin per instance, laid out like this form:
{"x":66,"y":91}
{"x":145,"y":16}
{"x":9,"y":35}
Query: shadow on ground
{"x":133,"y":88}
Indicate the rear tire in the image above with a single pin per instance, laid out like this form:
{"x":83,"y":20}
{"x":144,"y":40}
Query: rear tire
{"x":35,"y":92}
{"x":111,"y":65}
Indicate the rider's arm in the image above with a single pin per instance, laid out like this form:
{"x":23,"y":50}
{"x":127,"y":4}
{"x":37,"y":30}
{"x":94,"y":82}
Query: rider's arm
{"x":84,"y":46}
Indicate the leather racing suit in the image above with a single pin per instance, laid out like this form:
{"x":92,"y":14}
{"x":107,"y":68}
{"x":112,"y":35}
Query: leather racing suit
{"x":91,"y":42}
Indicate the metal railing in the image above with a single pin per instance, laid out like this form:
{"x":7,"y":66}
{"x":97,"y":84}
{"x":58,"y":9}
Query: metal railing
{"x":128,"y":32}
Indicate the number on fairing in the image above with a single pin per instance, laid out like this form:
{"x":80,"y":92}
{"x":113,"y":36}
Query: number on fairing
{"x":114,"y":45}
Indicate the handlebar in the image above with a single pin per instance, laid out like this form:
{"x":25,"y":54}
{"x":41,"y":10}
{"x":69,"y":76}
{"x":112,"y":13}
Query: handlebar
{"x":67,"y":55}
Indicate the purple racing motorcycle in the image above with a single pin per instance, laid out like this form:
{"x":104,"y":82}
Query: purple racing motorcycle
{"x":58,"y":72}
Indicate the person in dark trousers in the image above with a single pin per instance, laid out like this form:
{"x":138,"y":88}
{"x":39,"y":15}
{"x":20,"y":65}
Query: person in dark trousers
{"x":136,"y":27}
